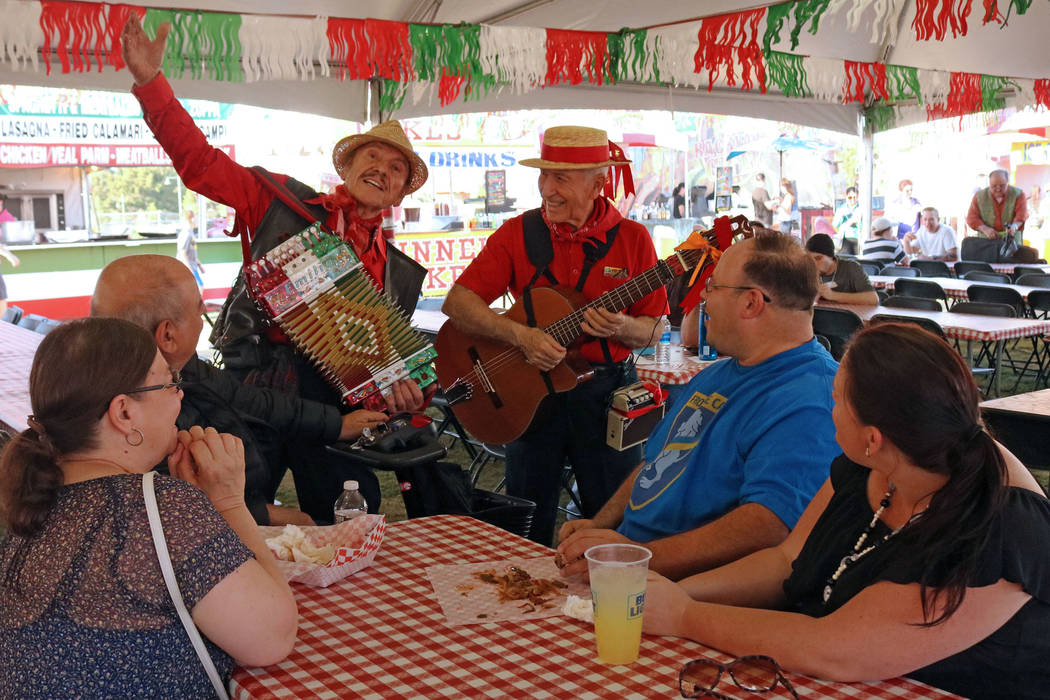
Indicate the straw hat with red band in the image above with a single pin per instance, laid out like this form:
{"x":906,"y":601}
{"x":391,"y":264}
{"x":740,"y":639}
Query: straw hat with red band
{"x":583,"y":148}
{"x":391,"y":134}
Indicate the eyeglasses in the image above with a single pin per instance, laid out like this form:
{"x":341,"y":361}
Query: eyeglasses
{"x":709,"y":285}
{"x":758,"y":674}
{"x":176,"y":382}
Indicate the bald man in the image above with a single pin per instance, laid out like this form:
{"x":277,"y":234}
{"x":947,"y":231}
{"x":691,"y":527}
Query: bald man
{"x":160,"y":294}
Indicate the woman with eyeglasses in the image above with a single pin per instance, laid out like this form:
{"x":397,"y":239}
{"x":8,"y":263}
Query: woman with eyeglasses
{"x":84,"y":609}
{"x":926,"y":554}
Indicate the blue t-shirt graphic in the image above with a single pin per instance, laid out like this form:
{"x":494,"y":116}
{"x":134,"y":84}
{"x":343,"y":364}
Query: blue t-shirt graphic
{"x":735,"y":434}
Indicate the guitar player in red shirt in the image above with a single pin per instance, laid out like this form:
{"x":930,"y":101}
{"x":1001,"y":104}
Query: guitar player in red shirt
{"x":576,"y":240}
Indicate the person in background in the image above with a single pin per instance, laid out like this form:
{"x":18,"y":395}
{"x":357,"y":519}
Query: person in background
{"x":923,"y":555}
{"x":840,"y":280}
{"x":883,"y":245}
{"x":905,"y":209}
{"x":747,"y":442}
{"x":761,"y":202}
{"x":998,"y":208}
{"x":787,"y":209}
{"x":934,"y":240}
{"x":15,"y":262}
{"x":378,"y":168}
{"x":578,"y":221}
{"x":80,"y":581}
{"x":186,"y":247}
{"x":157,"y":293}
{"x":847,"y":221}
{"x":678,"y":201}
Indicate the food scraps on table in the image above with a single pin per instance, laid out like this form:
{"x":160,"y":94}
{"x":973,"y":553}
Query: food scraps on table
{"x":517,"y":584}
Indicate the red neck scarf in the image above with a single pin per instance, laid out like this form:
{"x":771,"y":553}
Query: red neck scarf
{"x":359,"y":232}
{"x":591,"y":227}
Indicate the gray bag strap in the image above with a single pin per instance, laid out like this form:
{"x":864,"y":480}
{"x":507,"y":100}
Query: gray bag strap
{"x":149,"y":494}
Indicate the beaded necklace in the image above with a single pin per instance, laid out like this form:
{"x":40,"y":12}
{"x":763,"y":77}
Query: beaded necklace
{"x":857,"y":552}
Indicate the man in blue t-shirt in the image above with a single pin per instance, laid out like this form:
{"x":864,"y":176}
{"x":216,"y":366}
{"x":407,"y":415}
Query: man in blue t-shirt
{"x":749,"y":440}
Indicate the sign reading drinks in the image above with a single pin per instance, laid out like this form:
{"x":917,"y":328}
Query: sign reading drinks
{"x":45,"y":127}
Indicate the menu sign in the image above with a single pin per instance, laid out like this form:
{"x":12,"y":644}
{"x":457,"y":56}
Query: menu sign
{"x":495,"y":190}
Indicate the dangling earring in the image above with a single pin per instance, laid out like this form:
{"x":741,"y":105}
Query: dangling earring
{"x":867,"y":452}
{"x":135,"y":444}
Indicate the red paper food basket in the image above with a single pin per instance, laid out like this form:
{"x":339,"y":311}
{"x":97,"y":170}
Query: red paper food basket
{"x":356,"y":542}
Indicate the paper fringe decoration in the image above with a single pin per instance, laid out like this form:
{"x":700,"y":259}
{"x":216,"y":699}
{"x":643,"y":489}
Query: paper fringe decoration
{"x":933,"y":18}
{"x":283,"y":48}
{"x":825,"y":77}
{"x":728,"y":40}
{"x":788,"y":72}
{"x":863,"y":78}
{"x":516,"y":56}
{"x":21,"y":35}
{"x":1041,"y":89}
{"x":80,"y":31}
{"x":570,"y":53}
{"x":468,"y":61}
{"x":200,"y":42}
{"x":673,"y":48}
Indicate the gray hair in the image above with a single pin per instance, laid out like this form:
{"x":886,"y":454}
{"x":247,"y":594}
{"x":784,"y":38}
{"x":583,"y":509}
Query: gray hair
{"x":1000,"y":171}
{"x":932,"y":210}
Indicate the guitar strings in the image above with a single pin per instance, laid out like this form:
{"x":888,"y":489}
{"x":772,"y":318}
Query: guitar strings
{"x":569,"y":324}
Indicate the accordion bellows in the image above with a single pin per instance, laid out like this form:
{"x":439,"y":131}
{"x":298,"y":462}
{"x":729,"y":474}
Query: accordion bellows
{"x":315,"y":289}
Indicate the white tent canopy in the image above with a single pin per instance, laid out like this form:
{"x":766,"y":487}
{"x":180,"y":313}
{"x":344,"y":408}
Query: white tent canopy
{"x":1018,"y":50}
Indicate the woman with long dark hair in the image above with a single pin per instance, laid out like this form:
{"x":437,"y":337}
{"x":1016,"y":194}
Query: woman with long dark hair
{"x":925,"y":554}
{"x":84,"y":609}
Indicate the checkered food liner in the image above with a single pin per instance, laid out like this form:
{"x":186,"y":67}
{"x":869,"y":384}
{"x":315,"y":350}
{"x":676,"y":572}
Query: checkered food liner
{"x":356,"y":542}
{"x":465,"y":599}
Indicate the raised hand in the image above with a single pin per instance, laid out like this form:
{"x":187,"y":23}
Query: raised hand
{"x":142,"y":55}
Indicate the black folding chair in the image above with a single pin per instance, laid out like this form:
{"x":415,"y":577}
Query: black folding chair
{"x":900,"y":301}
{"x":982,"y":276}
{"x":932,"y":268}
{"x":998,"y":295}
{"x":1031,"y":280}
{"x":924,"y":289}
{"x":964,"y":266}
{"x":898,"y":271}
{"x":870,"y":268}
{"x":1022,"y":270}
{"x":988,"y":350}
{"x":1039,"y":303}
{"x":12,"y":314}
{"x":837,"y":325}
{"x":924,"y":323}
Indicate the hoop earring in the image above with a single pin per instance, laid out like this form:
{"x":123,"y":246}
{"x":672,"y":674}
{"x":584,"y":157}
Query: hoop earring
{"x":135,"y":444}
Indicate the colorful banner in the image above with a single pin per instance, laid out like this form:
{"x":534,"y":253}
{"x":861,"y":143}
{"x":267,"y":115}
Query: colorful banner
{"x":445,"y":255}
{"x":45,"y":155}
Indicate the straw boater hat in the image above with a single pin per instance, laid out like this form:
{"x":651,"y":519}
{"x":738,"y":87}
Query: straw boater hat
{"x":391,"y":134}
{"x":582,"y":148}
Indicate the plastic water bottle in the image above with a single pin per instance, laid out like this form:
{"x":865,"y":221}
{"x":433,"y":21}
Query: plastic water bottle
{"x":663,"y":347}
{"x":705,"y":351}
{"x":350,"y":503}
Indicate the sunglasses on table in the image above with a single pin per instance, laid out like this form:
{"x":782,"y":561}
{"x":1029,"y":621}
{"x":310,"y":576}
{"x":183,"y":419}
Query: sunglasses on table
{"x":176,"y":383}
{"x":757,"y":674}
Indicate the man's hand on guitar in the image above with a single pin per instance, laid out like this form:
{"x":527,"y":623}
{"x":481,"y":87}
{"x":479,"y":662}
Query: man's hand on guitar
{"x":541,"y":351}
{"x":602,"y":323}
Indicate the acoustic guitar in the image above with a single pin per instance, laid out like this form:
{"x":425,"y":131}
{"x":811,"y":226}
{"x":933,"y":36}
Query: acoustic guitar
{"x":494,"y":392}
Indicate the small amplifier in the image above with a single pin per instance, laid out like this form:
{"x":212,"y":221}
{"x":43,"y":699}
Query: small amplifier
{"x":635,"y":411}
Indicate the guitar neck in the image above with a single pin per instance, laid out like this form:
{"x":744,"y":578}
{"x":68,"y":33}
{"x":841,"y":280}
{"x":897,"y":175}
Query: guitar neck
{"x":566,"y":330}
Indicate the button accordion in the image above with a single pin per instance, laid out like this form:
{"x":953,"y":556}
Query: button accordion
{"x":315,"y":289}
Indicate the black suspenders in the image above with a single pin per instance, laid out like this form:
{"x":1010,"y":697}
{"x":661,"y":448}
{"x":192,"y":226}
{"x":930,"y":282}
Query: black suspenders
{"x":540,"y":251}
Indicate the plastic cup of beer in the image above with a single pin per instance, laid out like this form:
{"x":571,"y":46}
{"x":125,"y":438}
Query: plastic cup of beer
{"x":618,"y":573}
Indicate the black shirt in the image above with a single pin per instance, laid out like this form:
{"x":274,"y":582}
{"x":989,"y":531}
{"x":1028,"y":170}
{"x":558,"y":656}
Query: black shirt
{"x":1014,"y":661}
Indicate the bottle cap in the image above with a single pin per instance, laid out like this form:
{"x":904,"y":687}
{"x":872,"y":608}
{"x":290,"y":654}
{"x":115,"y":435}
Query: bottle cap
{"x":350,"y":485}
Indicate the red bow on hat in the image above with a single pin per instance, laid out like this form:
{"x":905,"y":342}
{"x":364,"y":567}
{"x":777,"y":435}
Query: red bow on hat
{"x":617,"y":173}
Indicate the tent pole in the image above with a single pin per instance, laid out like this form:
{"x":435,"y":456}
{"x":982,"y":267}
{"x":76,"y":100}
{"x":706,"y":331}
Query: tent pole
{"x":867,"y":176}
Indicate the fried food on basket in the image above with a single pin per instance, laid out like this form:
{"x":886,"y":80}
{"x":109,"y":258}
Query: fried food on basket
{"x":516,"y":584}
{"x":293,"y":545}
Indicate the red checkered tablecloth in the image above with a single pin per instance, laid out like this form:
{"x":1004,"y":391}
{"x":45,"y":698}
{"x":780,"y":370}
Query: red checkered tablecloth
{"x":17,"y":347}
{"x":381,"y":634}
{"x":679,"y":370}
{"x":960,"y":326}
